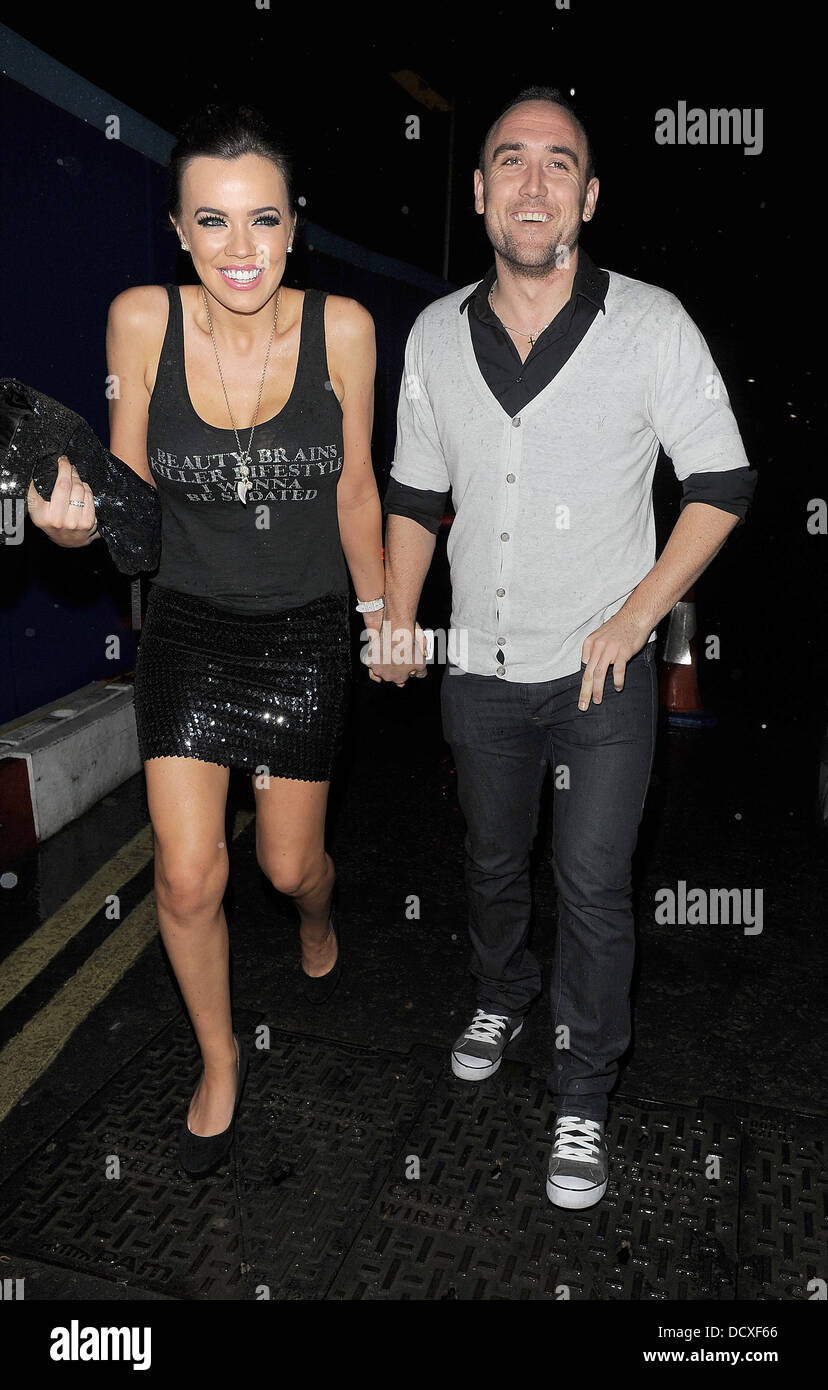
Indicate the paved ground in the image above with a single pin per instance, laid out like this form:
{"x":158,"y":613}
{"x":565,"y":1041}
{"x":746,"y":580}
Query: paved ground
{"x":727,"y":1056}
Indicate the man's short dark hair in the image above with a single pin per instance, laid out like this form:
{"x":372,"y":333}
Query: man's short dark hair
{"x":540,"y":94}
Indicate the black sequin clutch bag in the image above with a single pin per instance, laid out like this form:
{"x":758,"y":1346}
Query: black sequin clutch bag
{"x":35,"y":430}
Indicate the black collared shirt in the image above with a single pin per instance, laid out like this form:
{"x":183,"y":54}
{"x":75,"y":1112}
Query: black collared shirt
{"x":514,"y":383}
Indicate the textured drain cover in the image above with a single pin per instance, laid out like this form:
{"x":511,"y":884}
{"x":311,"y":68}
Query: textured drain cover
{"x":328,"y":1123}
{"x":317,"y":1130}
{"x":152,"y":1225}
{"x":477,"y":1224}
{"x":784,"y":1205}
{"x":367,"y":1175}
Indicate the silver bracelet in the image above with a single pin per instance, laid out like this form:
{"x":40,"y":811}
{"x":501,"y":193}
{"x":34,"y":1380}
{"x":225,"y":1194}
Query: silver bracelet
{"x":371,"y":605}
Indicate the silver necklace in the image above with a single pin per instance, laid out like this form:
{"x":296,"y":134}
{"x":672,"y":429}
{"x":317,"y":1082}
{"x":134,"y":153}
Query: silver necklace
{"x":243,"y":484}
{"x":533,"y":337}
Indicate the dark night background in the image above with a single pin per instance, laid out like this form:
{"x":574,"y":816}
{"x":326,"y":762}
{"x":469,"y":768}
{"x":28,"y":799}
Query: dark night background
{"x":731,"y":234}
{"x":737,"y":237}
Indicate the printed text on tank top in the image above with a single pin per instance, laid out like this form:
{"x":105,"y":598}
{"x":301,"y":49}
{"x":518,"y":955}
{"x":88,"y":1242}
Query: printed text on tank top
{"x":277,"y":473}
{"x":283,"y":547}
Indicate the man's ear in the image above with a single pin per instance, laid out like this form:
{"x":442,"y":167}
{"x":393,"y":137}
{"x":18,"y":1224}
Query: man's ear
{"x":590,"y":199}
{"x":479,"y":185}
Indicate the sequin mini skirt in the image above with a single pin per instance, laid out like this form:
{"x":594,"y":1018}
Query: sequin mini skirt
{"x":257,"y":692}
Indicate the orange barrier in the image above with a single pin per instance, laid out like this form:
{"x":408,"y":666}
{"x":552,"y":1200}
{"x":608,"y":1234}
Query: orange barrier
{"x":679,"y":692}
{"x":18,"y":833}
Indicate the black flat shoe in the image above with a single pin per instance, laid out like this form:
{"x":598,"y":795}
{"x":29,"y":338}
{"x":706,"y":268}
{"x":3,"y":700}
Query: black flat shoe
{"x":317,"y":989}
{"x":198,"y":1153}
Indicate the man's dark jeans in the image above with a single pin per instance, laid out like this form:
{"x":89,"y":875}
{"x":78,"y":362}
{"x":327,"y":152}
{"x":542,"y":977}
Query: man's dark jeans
{"x":504,"y":737}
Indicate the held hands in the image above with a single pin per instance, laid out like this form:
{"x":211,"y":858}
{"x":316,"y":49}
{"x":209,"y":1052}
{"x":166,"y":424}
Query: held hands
{"x":394,"y":651}
{"x":68,"y":517}
{"x":613,"y":644}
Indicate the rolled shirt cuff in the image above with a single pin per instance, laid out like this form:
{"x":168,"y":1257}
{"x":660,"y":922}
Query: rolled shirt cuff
{"x":732,"y":490}
{"x":420,"y":504}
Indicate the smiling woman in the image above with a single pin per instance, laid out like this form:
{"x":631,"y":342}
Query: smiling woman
{"x":248,"y":405}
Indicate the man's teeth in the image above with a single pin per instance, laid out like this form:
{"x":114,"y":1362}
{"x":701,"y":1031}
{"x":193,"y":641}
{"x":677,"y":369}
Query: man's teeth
{"x":532,"y":216}
{"x":241,"y":274}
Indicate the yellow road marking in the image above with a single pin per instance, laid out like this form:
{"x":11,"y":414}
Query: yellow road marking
{"x":21,"y":966}
{"x":27,"y":1055}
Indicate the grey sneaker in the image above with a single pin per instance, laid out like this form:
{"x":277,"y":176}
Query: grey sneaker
{"x":578,"y":1164}
{"x":479,"y":1051}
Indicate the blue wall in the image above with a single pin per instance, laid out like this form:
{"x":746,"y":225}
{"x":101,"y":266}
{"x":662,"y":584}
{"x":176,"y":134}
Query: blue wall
{"x":84,"y":217}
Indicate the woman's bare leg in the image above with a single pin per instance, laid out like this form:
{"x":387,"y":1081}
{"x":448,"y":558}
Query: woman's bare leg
{"x":290,"y":848}
{"x":187,"y":800}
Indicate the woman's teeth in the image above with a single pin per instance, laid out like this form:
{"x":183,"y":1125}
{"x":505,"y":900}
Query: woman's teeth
{"x":243,"y":276}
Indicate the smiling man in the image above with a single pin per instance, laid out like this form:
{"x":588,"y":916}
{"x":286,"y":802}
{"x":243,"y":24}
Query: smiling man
{"x":539,"y":397}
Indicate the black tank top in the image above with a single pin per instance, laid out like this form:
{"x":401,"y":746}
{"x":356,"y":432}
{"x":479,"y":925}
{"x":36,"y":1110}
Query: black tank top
{"x":282,"y":548}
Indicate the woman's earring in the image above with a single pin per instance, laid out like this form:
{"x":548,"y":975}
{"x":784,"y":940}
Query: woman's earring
{"x":290,"y":248}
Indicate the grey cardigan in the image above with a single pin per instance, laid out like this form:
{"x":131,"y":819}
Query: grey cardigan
{"x":554,"y":520}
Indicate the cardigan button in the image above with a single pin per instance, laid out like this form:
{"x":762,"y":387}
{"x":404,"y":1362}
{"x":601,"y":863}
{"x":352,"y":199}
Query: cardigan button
{"x":504,"y":535}
{"x":510,"y":477}
{"x":500,"y":592}
{"x":516,"y":421}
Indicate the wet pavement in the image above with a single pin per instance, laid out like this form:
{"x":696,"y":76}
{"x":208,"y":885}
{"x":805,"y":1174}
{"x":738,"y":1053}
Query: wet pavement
{"x":363,"y":1168}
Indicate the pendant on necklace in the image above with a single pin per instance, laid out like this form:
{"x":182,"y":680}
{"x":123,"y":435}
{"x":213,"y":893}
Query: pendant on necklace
{"x":243,"y":486}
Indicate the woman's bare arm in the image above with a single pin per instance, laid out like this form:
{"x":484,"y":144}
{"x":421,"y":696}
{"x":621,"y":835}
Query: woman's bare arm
{"x":134,"y":333}
{"x":352,"y":363}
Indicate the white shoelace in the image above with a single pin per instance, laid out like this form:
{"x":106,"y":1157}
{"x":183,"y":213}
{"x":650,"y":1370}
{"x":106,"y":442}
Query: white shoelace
{"x":486,"y":1027}
{"x":576,"y":1138}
